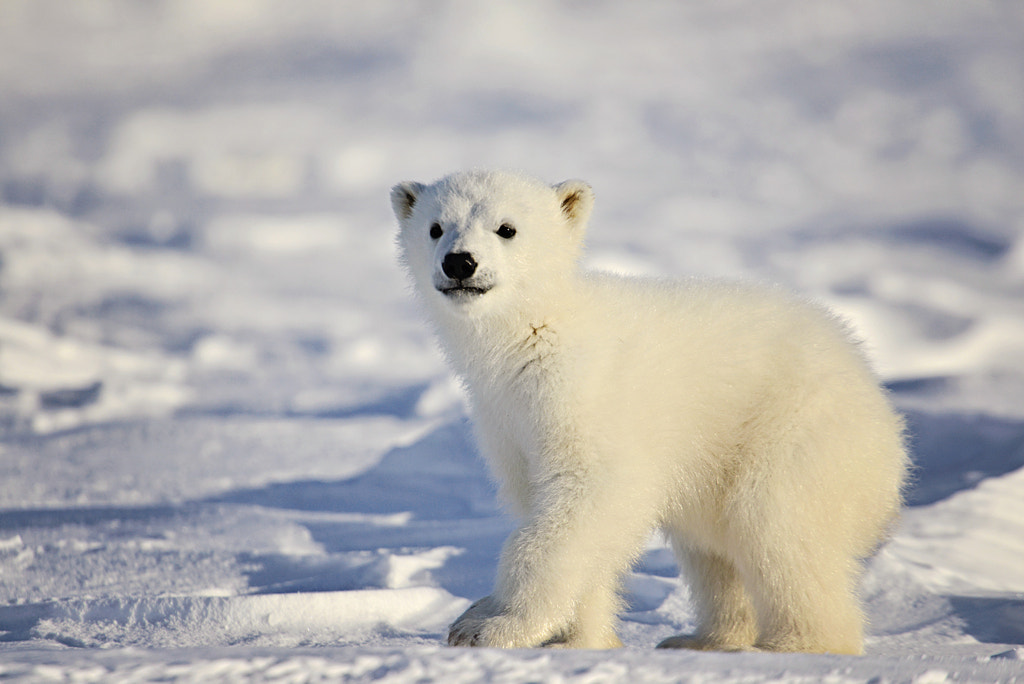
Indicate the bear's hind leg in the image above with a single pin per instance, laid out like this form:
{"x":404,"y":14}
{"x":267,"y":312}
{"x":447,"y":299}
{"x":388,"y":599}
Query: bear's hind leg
{"x":725,"y":616}
{"x":808,"y":604}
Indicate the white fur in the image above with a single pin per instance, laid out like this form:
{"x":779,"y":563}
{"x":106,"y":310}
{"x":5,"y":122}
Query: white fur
{"x":744,"y":423}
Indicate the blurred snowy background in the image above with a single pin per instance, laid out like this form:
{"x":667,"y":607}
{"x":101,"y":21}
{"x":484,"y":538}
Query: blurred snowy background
{"x":222,"y":421}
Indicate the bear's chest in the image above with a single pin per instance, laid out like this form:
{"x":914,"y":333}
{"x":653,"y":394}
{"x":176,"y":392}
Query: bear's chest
{"x":537,"y":357}
{"x":524,"y":381}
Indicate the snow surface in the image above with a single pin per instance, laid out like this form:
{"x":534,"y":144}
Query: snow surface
{"x":228,"y":446}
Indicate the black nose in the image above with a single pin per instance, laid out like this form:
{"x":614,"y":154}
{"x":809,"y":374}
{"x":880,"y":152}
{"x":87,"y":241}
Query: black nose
{"x":458,"y":265}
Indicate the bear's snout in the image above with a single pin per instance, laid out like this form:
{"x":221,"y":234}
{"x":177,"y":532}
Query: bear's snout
{"x":458,"y":265}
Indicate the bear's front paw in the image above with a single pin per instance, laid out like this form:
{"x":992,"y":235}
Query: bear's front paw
{"x":485,"y":623}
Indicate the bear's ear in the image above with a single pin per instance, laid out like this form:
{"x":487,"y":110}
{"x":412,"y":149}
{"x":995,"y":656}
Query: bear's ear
{"x":575,"y":199}
{"x":403,"y":198}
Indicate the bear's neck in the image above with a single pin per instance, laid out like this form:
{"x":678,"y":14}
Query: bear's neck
{"x":496,"y":348}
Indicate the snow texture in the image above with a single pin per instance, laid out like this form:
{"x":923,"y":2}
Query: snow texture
{"x":228,"y":446}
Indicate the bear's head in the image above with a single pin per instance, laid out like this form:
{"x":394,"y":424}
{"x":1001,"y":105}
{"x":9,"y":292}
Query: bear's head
{"x":483,"y":241}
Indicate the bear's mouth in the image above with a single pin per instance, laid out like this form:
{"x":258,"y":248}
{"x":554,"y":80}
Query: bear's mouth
{"x":461,"y":290}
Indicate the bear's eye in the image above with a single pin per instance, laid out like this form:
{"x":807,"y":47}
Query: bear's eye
{"x":435,"y":231}
{"x":507,"y":231}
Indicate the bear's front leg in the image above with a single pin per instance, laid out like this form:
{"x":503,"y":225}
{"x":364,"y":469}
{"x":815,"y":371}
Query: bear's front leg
{"x":559,"y":573}
{"x":518,"y":614}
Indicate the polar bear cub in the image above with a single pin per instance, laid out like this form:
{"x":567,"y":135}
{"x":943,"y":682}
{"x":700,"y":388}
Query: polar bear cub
{"x":744,"y":423}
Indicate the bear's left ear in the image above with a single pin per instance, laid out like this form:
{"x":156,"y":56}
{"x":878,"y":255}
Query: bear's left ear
{"x":576,"y":199}
{"x":403,"y":198}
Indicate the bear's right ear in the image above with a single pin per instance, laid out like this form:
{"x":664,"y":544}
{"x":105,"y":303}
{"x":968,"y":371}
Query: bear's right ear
{"x":403,"y":198}
{"x":575,"y":199}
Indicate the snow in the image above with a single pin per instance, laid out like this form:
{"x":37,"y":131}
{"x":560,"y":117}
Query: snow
{"x":228,"y":446}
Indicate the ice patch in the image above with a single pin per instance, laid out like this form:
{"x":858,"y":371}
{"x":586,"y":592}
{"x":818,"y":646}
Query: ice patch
{"x":410,"y":570}
{"x":972,"y":541}
{"x":11,"y":543}
{"x":282,"y":236}
{"x":56,"y":383}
